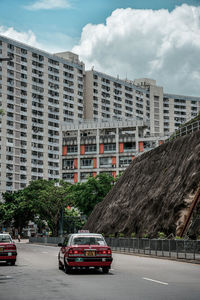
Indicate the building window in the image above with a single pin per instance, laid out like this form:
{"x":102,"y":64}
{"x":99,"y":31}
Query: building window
{"x":68,"y":176}
{"x":68,"y":164}
{"x":72,"y":149}
{"x":85,"y":175}
{"x":129,"y":146}
{"x":105,"y":162}
{"x":90,"y":148}
{"x":124,"y":161}
{"x":109,"y":147}
{"x":86,"y":162}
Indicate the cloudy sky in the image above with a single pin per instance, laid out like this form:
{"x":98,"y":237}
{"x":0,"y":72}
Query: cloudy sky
{"x":159,"y":39}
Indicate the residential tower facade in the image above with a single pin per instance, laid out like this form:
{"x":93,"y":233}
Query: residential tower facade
{"x":38,"y":92}
{"x":55,"y":113}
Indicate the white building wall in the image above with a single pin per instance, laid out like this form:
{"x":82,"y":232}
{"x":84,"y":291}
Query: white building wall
{"x":40,"y":139}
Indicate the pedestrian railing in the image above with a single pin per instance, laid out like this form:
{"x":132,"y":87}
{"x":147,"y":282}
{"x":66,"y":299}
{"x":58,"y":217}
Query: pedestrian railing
{"x":184,"y":130}
{"x":46,"y":240}
{"x":179,"y":249}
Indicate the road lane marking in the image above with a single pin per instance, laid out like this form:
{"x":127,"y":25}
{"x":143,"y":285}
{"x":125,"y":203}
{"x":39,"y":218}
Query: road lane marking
{"x":149,"y":279}
{"x":44,"y":252}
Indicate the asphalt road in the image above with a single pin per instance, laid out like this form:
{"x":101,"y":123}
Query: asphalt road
{"x":36,"y":276}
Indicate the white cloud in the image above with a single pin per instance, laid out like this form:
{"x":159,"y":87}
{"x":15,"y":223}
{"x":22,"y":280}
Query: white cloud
{"x":144,"y":43}
{"x":61,"y":42}
{"x":24,"y":37}
{"x":48,"y":4}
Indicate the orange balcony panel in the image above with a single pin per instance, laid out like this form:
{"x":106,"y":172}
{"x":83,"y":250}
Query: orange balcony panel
{"x":133,"y":157}
{"x":114,"y":174}
{"x":141,"y":148}
{"x":82,"y":149}
{"x":94,"y":174}
{"x":101,"y":148}
{"x":121,"y":147}
{"x":114,"y":160}
{"x":76,"y":163}
{"x":94,"y":163}
{"x":64,"y":150}
{"x":75,"y":177}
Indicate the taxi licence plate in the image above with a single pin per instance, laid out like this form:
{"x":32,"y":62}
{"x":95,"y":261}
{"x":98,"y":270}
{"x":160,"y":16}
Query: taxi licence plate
{"x":1,"y":249}
{"x":89,"y":253}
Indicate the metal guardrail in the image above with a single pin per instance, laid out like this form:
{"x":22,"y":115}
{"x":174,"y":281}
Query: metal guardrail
{"x":178,"y":249}
{"x":184,"y":130}
{"x":46,"y":240}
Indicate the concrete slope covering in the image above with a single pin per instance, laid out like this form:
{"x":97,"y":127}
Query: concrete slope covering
{"x":154,"y":193}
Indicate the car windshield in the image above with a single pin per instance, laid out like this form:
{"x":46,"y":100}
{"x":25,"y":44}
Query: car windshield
{"x":88,"y":240}
{"x":5,"y":238}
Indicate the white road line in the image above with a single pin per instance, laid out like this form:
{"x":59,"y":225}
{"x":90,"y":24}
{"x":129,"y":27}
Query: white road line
{"x":44,"y":252}
{"x":149,"y":279}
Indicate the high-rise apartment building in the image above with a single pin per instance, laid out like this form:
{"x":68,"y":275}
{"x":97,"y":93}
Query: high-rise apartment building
{"x":38,"y":92}
{"x":42,"y":94}
{"x":109,"y":97}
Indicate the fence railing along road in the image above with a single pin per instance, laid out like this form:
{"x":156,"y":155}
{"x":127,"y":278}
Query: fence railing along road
{"x":179,"y":249}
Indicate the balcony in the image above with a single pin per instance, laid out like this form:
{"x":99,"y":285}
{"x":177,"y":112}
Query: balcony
{"x":107,"y":139}
{"x":88,"y":139}
{"x":127,"y":137}
{"x":68,"y":168}
{"x":87,"y":167}
{"x":124,"y":165}
{"x":107,"y":166}
{"x":129,"y":150}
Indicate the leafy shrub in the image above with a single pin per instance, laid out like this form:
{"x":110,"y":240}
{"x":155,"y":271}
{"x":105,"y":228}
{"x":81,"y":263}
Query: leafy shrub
{"x":161,"y":235}
{"x":111,"y":235}
{"x":121,"y":234}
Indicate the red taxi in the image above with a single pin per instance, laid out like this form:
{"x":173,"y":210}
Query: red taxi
{"x":8,"y":250}
{"x":84,"y":250}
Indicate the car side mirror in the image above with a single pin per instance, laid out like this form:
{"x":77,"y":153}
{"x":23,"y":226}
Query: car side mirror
{"x":60,"y":244}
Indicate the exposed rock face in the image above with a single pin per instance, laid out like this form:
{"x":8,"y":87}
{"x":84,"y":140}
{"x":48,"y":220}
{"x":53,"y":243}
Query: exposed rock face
{"x":154,"y":192}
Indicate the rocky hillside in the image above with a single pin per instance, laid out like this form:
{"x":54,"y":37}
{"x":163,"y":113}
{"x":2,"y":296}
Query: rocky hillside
{"x":154,"y":193}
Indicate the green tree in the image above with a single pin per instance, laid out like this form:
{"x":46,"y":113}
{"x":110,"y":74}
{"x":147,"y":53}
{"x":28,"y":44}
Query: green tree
{"x":48,"y":201}
{"x":16,"y":210}
{"x":72,"y":220}
{"x":87,"y":194}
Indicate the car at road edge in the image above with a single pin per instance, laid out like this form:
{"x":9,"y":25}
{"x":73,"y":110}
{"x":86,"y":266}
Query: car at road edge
{"x":8,"y":249}
{"x":84,"y":250}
